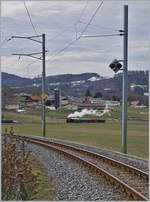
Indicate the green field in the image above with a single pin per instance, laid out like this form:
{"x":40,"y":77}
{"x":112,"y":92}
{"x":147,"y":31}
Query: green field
{"x":105,"y":135}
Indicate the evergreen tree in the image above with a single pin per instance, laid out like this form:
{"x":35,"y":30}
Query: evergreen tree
{"x":98,"y":95}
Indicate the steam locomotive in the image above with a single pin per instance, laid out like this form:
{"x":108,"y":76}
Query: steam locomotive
{"x":84,"y":120}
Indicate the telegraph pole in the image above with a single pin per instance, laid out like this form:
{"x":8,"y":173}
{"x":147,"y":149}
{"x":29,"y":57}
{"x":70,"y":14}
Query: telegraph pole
{"x":116,"y":66}
{"x":125,"y":82}
{"x":43,"y":88}
{"x":33,"y":55}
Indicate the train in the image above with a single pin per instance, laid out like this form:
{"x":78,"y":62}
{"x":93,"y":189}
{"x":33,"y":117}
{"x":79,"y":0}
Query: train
{"x":84,"y":120}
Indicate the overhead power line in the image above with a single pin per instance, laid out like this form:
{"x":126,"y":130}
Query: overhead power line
{"x":69,"y":27}
{"x":77,"y":38}
{"x":31,"y":63}
{"x":91,"y":19}
{"x":81,"y":14}
{"x":29,"y":17}
{"x":61,"y":33}
{"x":83,"y":11}
{"x":37,"y":60}
{"x":73,"y":41}
{"x":98,"y":26}
{"x":67,"y":46}
{"x":84,"y":30}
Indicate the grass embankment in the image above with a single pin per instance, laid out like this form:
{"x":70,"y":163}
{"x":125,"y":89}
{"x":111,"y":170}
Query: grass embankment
{"x":45,"y":190}
{"x":106,"y":135}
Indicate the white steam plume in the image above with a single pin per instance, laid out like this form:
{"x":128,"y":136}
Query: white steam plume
{"x":84,"y":112}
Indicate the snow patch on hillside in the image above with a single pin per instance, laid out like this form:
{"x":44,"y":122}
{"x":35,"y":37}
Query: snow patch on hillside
{"x":94,"y":78}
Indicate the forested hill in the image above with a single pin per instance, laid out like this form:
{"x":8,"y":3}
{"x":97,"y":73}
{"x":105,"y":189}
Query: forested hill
{"x":136,"y":77}
{"x":13,"y":80}
{"x":77,"y":84}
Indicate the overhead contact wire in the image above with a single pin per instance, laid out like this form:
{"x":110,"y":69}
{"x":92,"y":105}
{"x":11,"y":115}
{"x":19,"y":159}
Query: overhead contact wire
{"x":84,"y":30}
{"x":30,"y":17}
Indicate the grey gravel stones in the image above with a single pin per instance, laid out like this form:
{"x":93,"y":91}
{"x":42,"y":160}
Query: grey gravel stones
{"x":128,"y":159}
{"x":72,"y":181}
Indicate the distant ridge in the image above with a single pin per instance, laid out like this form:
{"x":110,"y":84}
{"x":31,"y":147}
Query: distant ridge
{"x":14,"y":80}
{"x":78,"y":84}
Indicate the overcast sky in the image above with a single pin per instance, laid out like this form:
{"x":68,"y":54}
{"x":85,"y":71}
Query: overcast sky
{"x":60,"y":20}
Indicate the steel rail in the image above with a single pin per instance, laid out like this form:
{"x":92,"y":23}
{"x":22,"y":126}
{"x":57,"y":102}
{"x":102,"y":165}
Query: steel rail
{"x":132,"y":193}
{"x":129,"y":168}
{"x":128,"y":174}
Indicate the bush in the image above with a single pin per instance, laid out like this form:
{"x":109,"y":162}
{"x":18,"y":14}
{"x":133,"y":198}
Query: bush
{"x":18,"y":180}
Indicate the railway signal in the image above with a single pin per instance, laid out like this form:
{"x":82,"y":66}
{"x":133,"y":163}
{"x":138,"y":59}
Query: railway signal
{"x":115,"y":65}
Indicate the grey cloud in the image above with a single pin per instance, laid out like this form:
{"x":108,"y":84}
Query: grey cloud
{"x":53,"y":17}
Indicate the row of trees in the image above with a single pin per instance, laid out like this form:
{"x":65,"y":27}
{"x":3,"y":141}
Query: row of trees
{"x":118,"y":97}
{"x":97,"y":94}
{"x":104,"y":96}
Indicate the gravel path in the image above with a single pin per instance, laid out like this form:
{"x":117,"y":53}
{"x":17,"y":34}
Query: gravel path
{"x":72,"y":181}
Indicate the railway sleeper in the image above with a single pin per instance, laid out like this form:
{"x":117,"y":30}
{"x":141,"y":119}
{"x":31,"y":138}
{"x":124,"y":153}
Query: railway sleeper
{"x":122,"y":187}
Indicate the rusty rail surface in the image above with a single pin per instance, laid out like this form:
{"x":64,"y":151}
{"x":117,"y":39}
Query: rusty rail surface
{"x":130,"y":180}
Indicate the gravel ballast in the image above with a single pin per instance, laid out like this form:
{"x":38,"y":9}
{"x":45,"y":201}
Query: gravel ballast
{"x":125,"y":158}
{"x":72,"y":181}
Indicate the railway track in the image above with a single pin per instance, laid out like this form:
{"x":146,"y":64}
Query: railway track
{"x":128,"y":179}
